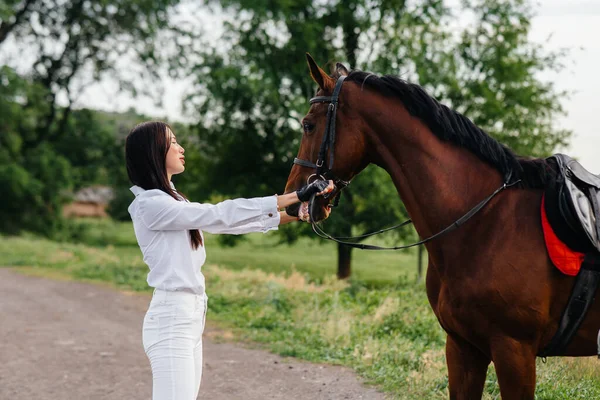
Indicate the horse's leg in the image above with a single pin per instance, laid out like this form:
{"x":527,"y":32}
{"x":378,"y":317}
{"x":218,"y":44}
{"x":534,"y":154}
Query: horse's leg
{"x":467,"y":368}
{"x":515,"y":367}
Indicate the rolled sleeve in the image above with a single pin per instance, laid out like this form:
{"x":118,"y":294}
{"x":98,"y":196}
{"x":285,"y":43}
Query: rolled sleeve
{"x":270,"y":212}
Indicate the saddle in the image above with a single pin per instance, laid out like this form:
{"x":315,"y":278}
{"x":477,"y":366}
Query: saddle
{"x":571,"y":206}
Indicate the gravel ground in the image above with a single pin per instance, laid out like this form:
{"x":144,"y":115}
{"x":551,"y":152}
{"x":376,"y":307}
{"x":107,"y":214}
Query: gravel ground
{"x":71,"y":340}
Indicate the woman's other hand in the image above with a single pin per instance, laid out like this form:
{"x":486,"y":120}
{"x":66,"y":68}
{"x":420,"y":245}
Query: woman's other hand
{"x":318,"y":187}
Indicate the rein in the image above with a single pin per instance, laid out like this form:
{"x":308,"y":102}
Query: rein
{"x":453,"y":226}
{"x":325,"y":172}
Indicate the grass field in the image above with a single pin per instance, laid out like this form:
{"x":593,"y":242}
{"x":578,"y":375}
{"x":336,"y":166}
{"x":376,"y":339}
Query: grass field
{"x":286,"y":299}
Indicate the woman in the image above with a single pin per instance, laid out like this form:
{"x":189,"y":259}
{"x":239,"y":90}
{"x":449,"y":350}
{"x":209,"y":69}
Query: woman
{"x":168,"y":230}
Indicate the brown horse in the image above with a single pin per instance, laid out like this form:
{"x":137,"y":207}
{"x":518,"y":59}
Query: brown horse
{"x":490,"y":283}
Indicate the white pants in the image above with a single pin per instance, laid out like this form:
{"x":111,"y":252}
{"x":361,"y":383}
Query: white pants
{"x":172,"y":337}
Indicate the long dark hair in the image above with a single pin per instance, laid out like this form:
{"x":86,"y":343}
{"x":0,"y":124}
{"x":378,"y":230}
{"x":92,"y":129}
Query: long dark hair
{"x":146,"y":150}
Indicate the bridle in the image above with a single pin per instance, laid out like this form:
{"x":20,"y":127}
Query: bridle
{"x":328,"y":143}
{"x":325,"y":172}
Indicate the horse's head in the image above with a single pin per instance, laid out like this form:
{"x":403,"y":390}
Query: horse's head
{"x":333,"y":145}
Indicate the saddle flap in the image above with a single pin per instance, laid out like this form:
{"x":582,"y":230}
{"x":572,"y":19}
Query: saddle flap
{"x":574,"y":205}
{"x":584,"y":210}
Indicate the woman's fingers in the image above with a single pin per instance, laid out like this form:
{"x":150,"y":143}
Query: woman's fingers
{"x":330,"y":188}
{"x":303,"y":214}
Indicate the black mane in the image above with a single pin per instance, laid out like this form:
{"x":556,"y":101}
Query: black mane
{"x":454,"y":127}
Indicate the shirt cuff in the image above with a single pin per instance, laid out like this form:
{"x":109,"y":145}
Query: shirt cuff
{"x":270,"y":214}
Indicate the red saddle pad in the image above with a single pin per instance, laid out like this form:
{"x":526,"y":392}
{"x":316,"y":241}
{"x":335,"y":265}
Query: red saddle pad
{"x":565,"y":259}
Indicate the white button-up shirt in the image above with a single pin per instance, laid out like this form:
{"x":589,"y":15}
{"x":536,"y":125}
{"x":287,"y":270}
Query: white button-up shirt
{"x":161,"y":226}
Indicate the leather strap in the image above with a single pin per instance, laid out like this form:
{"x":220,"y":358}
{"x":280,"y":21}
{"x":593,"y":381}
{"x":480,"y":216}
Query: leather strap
{"x":582,"y":296}
{"x":455,"y":225}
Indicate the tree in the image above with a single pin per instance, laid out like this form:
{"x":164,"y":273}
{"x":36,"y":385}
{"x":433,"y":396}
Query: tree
{"x":253,"y":85}
{"x":491,"y":76}
{"x":28,"y":173}
{"x":79,"y":42}
{"x":46,"y":146}
{"x":12,"y":13}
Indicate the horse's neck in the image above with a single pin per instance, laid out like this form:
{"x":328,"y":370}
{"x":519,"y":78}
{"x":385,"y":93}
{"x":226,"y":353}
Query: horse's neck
{"x":437,"y":181}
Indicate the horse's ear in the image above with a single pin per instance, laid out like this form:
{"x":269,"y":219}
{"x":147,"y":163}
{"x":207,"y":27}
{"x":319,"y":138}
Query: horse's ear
{"x":341,"y":69}
{"x":324,"y":81}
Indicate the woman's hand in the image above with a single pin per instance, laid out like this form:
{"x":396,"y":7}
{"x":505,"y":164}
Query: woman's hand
{"x":292,"y":199}
{"x":318,"y":187}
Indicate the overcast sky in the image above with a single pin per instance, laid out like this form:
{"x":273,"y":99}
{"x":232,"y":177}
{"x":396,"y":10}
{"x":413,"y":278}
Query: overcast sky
{"x":574,"y":24}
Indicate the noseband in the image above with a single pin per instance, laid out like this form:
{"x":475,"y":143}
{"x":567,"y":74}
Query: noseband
{"x":328,"y":143}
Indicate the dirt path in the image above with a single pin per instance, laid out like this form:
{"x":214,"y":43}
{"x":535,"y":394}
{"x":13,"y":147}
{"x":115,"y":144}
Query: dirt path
{"x":69,"y":340}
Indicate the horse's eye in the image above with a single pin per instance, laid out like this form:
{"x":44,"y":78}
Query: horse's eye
{"x":308,"y":127}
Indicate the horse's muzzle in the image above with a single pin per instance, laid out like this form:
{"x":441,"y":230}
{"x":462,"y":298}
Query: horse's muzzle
{"x":319,"y":208}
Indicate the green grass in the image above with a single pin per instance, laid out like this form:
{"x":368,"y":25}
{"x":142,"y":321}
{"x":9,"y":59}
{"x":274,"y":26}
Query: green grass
{"x":286,"y":299}
{"x":317,"y":258}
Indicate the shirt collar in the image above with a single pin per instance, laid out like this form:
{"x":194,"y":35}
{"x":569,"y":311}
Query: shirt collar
{"x":136,"y":190}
